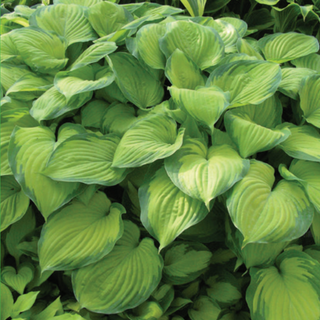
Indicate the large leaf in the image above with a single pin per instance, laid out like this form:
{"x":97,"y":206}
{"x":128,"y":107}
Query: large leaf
{"x":66,"y":20}
{"x":9,"y":51}
{"x":205,"y":105}
{"x":296,"y":280}
{"x":122,"y":280}
{"x":200,"y":43}
{"x":311,"y":61}
{"x":29,"y":151}
{"x":137,"y":84}
{"x":147,"y":42}
{"x":265,"y":215}
{"x":106,"y":17}
{"x":165,"y":210}
{"x":71,"y":83}
{"x":303,"y":143}
{"x":85,"y":158}
{"x":194,"y":7}
{"x":14,"y":203}
{"x":10,"y":119}
{"x":310,"y":99}
{"x":204,"y":173}
{"x":253,"y":128}
{"x":184,"y":262}
{"x":93,"y":54}
{"x":43,"y":52}
{"x":308,"y":174}
{"x":183,"y":72}
{"x":249,"y":82}
{"x":79,"y":235}
{"x":282,"y":47}
{"x":149,"y":139}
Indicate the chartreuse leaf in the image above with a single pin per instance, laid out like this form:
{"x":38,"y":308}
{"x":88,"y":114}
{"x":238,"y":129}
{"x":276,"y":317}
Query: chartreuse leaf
{"x":10,"y":119}
{"x":9,"y":51}
{"x":282,"y":47}
{"x":311,"y":61}
{"x":201,"y":44}
{"x":43,"y":52}
{"x":10,"y":73}
{"x":265,"y":215}
{"x":79,"y":234}
{"x":182,"y":72}
{"x":17,"y":231}
{"x":240,"y":25}
{"x":204,"y":173}
{"x":81,"y":80}
{"x":137,"y":84}
{"x":151,"y":138}
{"x":54,"y":308}
{"x":29,"y":151}
{"x":244,"y":46}
{"x":165,"y":210}
{"x":148,"y":310}
{"x":85,"y":3}
{"x":14,"y":203}
{"x":53,"y":104}
{"x":315,"y":227}
{"x":147,"y":42}
{"x":29,"y":87}
{"x":184,"y":262}
{"x":24,"y":303}
{"x":6,"y":302}
{"x":19,"y":279}
{"x":85,"y":158}
{"x":296,"y":279}
{"x":253,"y":254}
{"x":93,"y":54}
{"x":106,"y":17}
{"x":292,"y":80}
{"x":249,"y":82}
{"x":223,"y":288}
{"x":194,"y":7}
{"x":204,"y":308}
{"x":253,"y":127}
{"x":303,"y":143}
{"x":119,"y":118}
{"x":122,"y":280}
{"x":310,"y":99}
{"x":92,"y":113}
{"x":308,"y":174}
{"x":205,"y":105}
{"x":66,"y":20}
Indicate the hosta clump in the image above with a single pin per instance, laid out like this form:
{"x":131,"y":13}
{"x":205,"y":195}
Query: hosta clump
{"x":157,"y":165}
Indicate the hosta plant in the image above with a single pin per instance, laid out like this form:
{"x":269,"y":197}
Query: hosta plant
{"x":160,"y":161}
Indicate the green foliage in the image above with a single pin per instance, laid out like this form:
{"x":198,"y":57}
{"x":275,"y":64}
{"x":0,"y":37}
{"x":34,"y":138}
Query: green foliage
{"x":160,"y":160}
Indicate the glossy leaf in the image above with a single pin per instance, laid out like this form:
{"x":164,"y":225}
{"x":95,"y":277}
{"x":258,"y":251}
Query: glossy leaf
{"x":137,"y":84}
{"x":266,"y":214}
{"x":79,"y":235}
{"x":152,"y":138}
{"x":204,"y":173}
{"x":14,"y":203}
{"x":122,"y":280}
{"x":295,"y":278}
{"x":282,"y":47}
{"x":249,"y":82}
{"x":165,"y":210}
{"x":201,"y":44}
{"x":66,"y":20}
{"x":29,"y":151}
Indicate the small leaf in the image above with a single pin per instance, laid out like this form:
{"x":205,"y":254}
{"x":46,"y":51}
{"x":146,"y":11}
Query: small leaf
{"x":165,"y":210}
{"x":79,"y":234}
{"x":152,"y":138}
{"x":24,"y":303}
{"x":122,"y":280}
{"x":204,"y":308}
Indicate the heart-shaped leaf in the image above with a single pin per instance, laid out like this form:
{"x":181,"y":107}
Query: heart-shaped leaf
{"x":296,"y":279}
{"x":122,"y":280}
{"x":79,"y":234}
{"x":165,"y":210}
{"x":204,"y":173}
{"x":266,"y":215}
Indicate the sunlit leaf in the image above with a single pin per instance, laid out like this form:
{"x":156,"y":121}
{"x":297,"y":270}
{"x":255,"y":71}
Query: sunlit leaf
{"x":311,"y":61}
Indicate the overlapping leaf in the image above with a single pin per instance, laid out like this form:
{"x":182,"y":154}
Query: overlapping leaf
{"x":79,"y":235}
{"x":266,"y":215}
{"x":165,"y":210}
{"x":122,"y":280}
